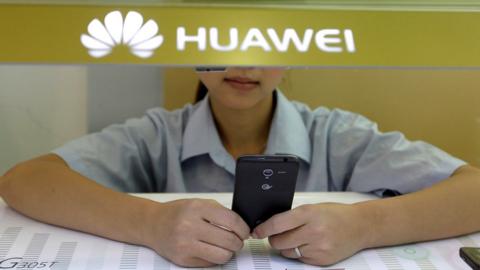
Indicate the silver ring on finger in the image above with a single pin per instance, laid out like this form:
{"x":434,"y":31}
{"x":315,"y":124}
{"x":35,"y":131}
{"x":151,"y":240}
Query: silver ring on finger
{"x":297,"y":252}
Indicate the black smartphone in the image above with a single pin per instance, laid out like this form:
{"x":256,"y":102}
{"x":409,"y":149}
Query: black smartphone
{"x":264,"y":186}
{"x":471,"y":255}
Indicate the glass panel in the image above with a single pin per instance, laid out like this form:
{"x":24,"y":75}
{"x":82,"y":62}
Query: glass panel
{"x":211,"y":35}
{"x":42,"y":107}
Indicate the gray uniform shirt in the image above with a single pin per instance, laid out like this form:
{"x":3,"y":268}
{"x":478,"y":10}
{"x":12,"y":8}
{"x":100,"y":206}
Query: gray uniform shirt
{"x":181,"y":151}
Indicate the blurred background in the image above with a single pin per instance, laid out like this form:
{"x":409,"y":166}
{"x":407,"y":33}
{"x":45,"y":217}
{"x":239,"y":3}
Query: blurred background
{"x":44,"y":106}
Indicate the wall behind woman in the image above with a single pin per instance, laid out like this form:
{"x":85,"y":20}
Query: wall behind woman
{"x":441,"y":107}
{"x":40,"y":107}
{"x":44,"y":106}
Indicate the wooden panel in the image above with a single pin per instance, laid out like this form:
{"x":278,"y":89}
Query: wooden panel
{"x":438,"y":106}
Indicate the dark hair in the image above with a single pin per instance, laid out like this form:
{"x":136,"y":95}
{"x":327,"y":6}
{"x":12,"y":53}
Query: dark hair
{"x":201,"y":91}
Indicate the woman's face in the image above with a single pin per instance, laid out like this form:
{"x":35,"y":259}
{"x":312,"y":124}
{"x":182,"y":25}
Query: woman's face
{"x":241,"y":87}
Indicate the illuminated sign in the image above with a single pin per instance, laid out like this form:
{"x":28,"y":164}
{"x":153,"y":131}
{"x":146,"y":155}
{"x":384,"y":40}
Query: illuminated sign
{"x":327,"y":40}
{"x":142,"y":39}
{"x":223,"y":35}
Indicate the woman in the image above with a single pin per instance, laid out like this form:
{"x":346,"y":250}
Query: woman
{"x":81,"y":184}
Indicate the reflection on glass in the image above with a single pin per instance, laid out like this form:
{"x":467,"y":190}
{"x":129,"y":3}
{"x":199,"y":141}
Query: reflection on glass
{"x":41,"y":110}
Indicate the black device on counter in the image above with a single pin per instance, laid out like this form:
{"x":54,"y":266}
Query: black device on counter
{"x":264,"y":186}
{"x":471,"y":255}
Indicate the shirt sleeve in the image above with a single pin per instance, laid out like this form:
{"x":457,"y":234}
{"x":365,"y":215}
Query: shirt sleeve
{"x":363,"y":159}
{"x":118,"y":157}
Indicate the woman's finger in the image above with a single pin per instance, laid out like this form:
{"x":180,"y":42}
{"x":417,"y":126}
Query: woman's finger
{"x":290,"y":239}
{"x":227,"y":219}
{"x":282,"y":222}
{"x":211,"y":253}
{"x":220,"y":237}
{"x":293,"y":253}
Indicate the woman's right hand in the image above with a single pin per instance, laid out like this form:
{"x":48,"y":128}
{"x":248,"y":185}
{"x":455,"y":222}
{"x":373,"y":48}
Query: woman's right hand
{"x":181,"y":231}
{"x":189,"y":232}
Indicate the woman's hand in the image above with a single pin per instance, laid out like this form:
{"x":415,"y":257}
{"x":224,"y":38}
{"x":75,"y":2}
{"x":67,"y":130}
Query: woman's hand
{"x":189,"y":232}
{"x":324,"y":233}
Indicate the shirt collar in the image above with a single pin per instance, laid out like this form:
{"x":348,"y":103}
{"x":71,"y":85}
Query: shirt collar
{"x":288,"y":134}
{"x":201,"y":136}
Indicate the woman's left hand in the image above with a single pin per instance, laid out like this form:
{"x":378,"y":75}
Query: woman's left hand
{"x":324,"y":233}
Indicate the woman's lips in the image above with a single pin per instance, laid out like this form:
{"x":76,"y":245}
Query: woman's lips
{"x":242,"y":83}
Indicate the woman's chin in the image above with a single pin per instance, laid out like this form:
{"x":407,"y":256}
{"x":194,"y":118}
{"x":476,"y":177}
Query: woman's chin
{"x":234,"y":99}
{"x":239,"y":103}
